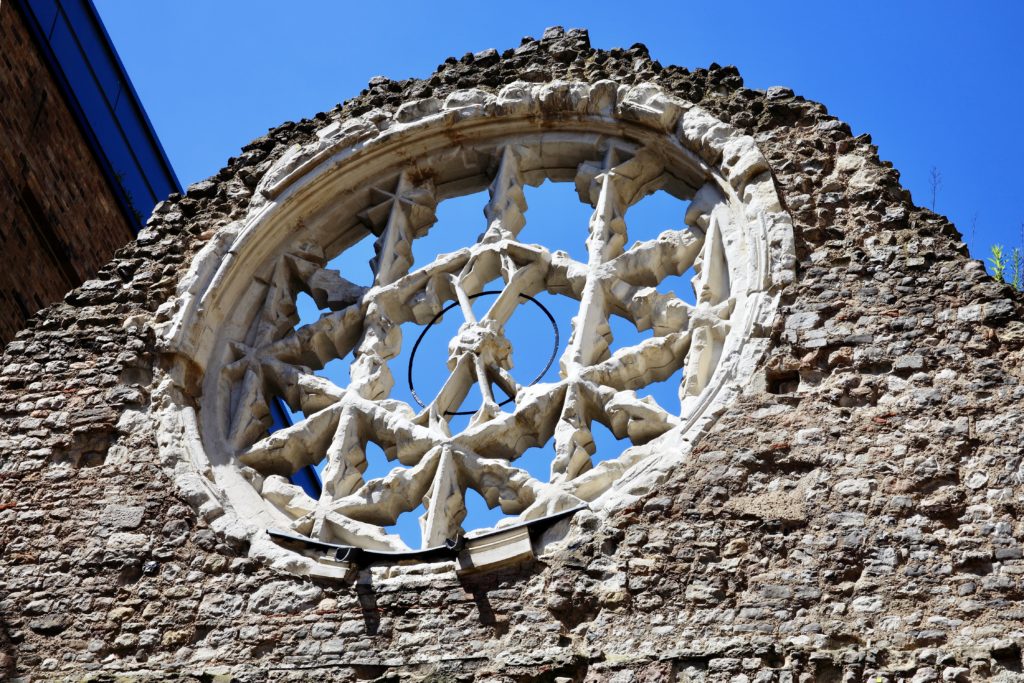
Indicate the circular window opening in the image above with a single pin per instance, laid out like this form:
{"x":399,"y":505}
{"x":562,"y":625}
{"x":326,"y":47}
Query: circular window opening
{"x":493,"y":367}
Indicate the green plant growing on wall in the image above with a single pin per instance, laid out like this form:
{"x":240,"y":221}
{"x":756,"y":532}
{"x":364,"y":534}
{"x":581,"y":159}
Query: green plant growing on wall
{"x":1016,"y":268}
{"x":1008,"y":266}
{"x":998,"y":261}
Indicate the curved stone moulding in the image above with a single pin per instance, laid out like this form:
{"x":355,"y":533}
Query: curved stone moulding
{"x":232,"y":320}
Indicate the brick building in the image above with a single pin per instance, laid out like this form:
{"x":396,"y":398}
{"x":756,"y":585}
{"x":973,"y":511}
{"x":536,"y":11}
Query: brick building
{"x":80,"y":165}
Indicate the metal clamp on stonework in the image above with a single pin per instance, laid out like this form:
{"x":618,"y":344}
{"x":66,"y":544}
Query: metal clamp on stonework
{"x":362,"y":557}
{"x":486,"y":551}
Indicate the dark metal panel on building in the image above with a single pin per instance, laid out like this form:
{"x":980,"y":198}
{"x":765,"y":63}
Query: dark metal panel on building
{"x":99,"y":93}
{"x":80,"y":165}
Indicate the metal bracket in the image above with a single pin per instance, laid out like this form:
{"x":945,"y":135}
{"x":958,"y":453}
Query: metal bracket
{"x":467,"y":551}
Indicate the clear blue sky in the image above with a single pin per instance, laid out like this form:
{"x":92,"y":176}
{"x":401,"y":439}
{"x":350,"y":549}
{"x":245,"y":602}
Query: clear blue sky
{"x":936,"y":84}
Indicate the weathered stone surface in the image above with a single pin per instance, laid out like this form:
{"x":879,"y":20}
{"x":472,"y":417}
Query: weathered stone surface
{"x":845,"y":518}
{"x":284,"y":597}
{"x":123,"y":516}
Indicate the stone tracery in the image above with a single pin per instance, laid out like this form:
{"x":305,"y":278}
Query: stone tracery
{"x":612,"y":170}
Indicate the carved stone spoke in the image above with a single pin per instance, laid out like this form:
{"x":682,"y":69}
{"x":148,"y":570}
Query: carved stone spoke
{"x":453,"y":392}
{"x":346,"y":458}
{"x":502,"y":485}
{"x":334,"y":335}
{"x":505,"y":209}
{"x":527,"y":280}
{"x":273,"y":356}
{"x":574,"y":442}
{"x":410,"y":211}
{"x":300,"y":270}
{"x":444,"y":503}
{"x":648,"y":309}
{"x":288,"y":450}
{"x":611,"y":187}
{"x":652,"y":360}
{"x":648,"y":263}
{"x":509,"y":434}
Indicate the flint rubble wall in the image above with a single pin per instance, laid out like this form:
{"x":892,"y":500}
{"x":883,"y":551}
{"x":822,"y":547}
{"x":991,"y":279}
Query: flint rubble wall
{"x":855,"y":512}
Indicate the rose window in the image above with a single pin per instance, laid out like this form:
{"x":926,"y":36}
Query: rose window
{"x":390,"y":176}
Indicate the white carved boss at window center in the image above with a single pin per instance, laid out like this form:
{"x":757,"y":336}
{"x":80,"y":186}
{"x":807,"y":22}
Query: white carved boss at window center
{"x":235,"y":318}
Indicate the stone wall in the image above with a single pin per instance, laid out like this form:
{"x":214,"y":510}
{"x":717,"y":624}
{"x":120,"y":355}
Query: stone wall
{"x":59,"y":219}
{"x":855,"y":513}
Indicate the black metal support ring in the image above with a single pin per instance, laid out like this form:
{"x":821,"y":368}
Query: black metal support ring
{"x":412,"y":356}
